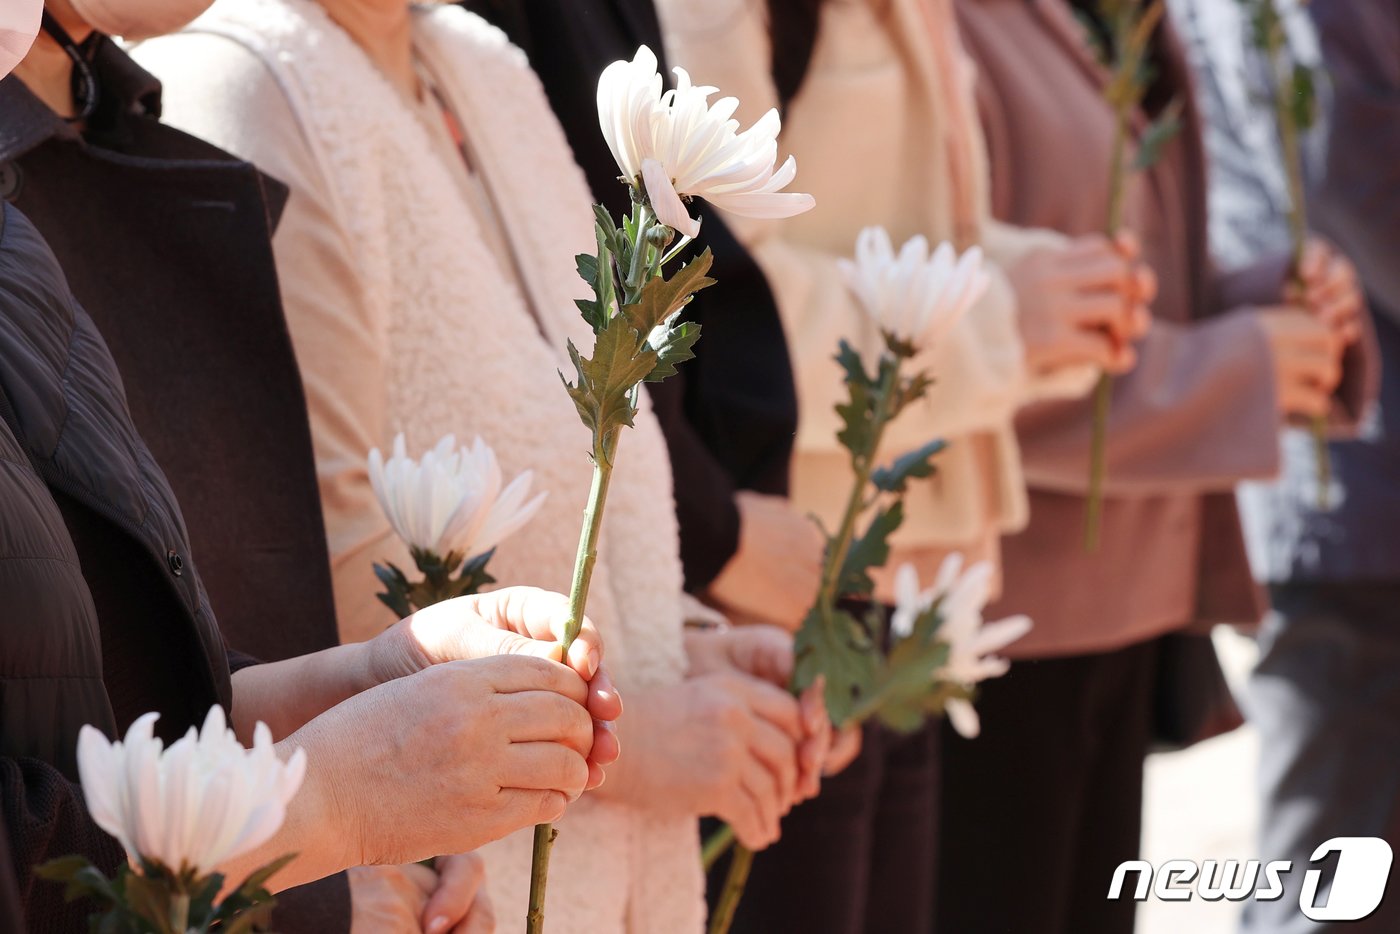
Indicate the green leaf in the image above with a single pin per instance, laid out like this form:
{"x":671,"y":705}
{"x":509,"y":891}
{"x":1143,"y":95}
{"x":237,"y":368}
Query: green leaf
{"x":917,"y":464}
{"x":396,"y":589}
{"x":661,"y":298}
{"x":474,"y":576}
{"x":835,"y":645}
{"x":857,"y":434}
{"x":62,"y":869}
{"x":674,"y":346}
{"x":871,"y":550}
{"x":1160,"y":132}
{"x":604,"y":393}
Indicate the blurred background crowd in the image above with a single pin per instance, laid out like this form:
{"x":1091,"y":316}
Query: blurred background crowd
{"x":246,"y":241}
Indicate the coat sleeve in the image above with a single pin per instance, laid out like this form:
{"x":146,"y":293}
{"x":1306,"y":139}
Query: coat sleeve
{"x":1197,"y":415}
{"x":1355,"y":201}
{"x":339,"y":329}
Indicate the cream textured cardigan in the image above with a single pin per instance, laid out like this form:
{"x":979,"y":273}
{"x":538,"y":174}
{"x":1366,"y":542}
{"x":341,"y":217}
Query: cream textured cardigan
{"x":404,"y":320}
{"x":870,"y":128}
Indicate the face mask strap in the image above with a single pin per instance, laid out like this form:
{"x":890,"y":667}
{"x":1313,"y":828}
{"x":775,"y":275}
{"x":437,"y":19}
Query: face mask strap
{"x":85,"y":90}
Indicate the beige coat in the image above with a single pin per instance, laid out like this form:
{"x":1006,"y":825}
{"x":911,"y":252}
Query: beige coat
{"x":884,"y":131}
{"x":1196,"y":416}
{"x":405,"y":319}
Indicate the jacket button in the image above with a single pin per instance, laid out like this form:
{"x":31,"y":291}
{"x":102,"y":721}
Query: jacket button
{"x":11,"y":180}
{"x":177,"y":563}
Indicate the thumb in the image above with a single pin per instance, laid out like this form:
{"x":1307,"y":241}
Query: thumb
{"x":486,"y":641}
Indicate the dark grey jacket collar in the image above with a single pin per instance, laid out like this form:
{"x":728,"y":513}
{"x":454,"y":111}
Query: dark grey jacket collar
{"x":124,"y":87}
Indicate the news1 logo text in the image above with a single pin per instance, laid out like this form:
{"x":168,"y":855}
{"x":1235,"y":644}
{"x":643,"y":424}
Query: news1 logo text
{"x":1357,"y":881}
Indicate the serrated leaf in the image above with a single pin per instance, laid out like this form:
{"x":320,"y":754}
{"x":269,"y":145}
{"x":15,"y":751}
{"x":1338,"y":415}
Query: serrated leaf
{"x":871,"y":550}
{"x":858,"y":411}
{"x":835,"y":645}
{"x":674,"y":345}
{"x":917,"y":464}
{"x":1160,"y":132}
{"x":661,"y":298}
{"x":603,"y":394}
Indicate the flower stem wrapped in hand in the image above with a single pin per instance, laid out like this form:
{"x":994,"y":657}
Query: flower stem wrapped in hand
{"x":1124,"y":48}
{"x":180,"y":813}
{"x":1294,"y":97}
{"x":669,"y":146}
{"x":937,"y":643}
{"x":452,"y":512}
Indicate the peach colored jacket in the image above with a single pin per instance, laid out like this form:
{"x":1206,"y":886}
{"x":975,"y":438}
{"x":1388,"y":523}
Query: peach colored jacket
{"x":1196,"y":416}
{"x":884,"y":130}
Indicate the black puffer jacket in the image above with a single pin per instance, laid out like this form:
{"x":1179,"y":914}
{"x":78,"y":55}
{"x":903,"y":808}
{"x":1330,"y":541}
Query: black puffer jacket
{"x":103,"y":615}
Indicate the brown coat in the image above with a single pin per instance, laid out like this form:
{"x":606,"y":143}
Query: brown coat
{"x":1198,"y":413}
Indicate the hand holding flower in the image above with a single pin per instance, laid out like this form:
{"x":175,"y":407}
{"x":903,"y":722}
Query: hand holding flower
{"x":1328,"y":287}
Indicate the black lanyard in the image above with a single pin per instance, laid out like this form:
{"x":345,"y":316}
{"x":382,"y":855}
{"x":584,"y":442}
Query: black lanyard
{"x":85,"y":90}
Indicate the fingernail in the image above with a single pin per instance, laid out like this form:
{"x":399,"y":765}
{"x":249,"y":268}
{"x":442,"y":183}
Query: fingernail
{"x":437,"y":925}
{"x":595,"y":658}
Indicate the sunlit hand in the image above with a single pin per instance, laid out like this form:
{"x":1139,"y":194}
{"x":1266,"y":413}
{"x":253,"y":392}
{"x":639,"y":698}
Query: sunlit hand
{"x":511,"y":621}
{"x":766,"y":652}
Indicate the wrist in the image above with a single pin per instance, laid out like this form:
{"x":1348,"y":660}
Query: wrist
{"x":391,"y":655}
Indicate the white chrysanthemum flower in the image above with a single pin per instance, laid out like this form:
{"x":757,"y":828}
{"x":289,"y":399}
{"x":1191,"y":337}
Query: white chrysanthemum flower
{"x":451,"y":500}
{"x":913,"y":296}
{"x":677,"y":144}
{"x":202,"y":802}
{"x":971,"y":642}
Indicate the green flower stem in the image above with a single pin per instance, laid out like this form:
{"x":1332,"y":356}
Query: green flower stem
{"x":587,"y":557}
{"x":179,"y":912}
{"x":864,"y":466}
{"x":863,"y":463}
{"x":716,"y":846}
{"x":644,"y":263}
{"x":1103,"y":392}
{"x":734,"y":883}
{"x":1289,"y":145}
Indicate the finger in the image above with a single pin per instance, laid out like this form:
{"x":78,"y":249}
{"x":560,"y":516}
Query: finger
{"x":604,"y":701}
{"x":758,"y":782}
{"x":542,"y":717}
{"x":1145,"y":284}
{"x":1314,"y":261}
{"x":1102,"y":310}
{"x":542,"y":615}
{"x":460,"y":881}
{"x":481,"y":919}
{"x":1127,"y":244}
{"x":421,"y":876}
{"x":516,"y":808}
{"x":763,"y":651}
{"x":747,"y":820}
{"x":1084,"y":347}
{"x":606,"y":746}
{"x":1124,"y":359}
{"x":1307,"y":401}
{"x":513,"y":674}
{"x":1337,"y":309}
{"x":771,"y":703}
{"x":596,"y":776}
{"x":778,"y":754}
{"x":844,"y":750}
{"x":544,"y":767}
{"x":1103,"y":270}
